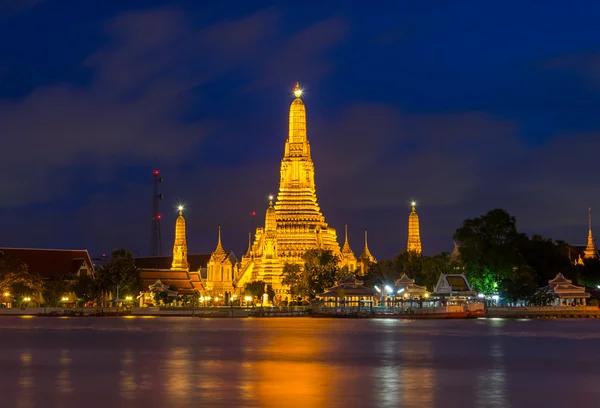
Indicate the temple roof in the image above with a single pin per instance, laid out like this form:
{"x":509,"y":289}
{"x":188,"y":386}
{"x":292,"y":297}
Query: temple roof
{"x":558,"y":279}
{"x":51,"y":263}
{"x":404,"y":280}
{"x":453,"y":284}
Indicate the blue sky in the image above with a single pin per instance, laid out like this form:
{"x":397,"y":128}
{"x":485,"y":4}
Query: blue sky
{"x":464,"y":106}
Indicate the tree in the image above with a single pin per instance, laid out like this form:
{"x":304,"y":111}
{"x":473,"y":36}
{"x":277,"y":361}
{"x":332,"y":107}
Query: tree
{"x":255,"y":289}
{"x":547,"y":258}
{"x":321,"y":271}
{"x":382,"y":273}
{"x":292,"y":277}
{"x":431,"y":269}
{"x":522,"y":286}
{"x":489,"y":249}
{"x":86,"y":289}
{"x":120,"y":274}
{"x":55,"y":289}
{"x":16,"y":278}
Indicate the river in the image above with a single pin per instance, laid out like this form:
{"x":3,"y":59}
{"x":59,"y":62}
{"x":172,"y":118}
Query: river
{"x":297,"y":362}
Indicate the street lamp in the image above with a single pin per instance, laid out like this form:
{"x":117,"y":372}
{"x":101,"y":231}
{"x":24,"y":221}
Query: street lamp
{"x":128,"y":298}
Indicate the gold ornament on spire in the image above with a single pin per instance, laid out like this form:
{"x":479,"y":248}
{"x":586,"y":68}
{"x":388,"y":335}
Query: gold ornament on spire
{"x":297,"y":90}
{"x":414,"y":234}
{"x":219,"y":250}
{"x":590,"y":249}
{"x":180,"y":251}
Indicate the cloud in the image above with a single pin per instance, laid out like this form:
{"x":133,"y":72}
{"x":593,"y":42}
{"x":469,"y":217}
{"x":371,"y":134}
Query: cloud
{"x":135,"y":104}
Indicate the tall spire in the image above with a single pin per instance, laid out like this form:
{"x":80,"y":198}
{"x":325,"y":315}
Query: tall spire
{"x":219,"y":249}
{"x":180,"y":251}
{"x":346,"y":248}
{"x":366,"y":254}
{"x":414,"y":235}
{"x":590,"y":249}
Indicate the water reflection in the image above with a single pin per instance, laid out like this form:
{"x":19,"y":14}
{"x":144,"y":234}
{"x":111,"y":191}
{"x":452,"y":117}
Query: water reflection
{"x":491,"y":383}
{"x":127,"y":385}
{"x":66,"y":363}
{"x":26,"y":382}
{"x":178,"y":375}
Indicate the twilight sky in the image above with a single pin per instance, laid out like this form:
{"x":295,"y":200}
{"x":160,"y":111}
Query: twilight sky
{"x":462,"y":105}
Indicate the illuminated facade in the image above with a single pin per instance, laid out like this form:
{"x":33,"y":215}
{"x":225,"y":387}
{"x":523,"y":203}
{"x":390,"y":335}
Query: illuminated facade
{"x":180,"y":252}
{"x":366,"y":258}
{"x":294,"y":224}
{"x":221,"y":271}
{"x":414,"y":234}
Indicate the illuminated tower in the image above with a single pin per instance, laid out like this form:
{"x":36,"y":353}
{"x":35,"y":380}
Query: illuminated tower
{"x":590,"y":249}
{"x":180,"y":251}
{"x":414,"y":236}
{"x":300,"y":224}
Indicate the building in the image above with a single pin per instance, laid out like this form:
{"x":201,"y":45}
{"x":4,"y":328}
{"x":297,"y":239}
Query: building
{"x":53,"y":263}
{"x":348,"y":292}
{"x":294,"y":224}
{"x":453,"y":286}
{"x":185,"y":272}
{"x":414,"y":234}
{"x":222,"y":269}
{"x":565,"y":293}
{"x":405,"y":287}
{"x":366,"y":258}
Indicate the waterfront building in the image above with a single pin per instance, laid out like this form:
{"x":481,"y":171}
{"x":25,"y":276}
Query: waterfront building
{"x":452,"y":287}
{"x":348,"y":292}
{"x":405,"y":287}
{"x":294,"y":224}
{"x":414,"y":234}
{"x":565,"y":293}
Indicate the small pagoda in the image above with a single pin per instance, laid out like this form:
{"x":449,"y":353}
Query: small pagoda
{"x":565,"y":293}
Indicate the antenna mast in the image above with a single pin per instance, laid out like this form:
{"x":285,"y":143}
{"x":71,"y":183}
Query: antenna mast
{"x":155,"y":238}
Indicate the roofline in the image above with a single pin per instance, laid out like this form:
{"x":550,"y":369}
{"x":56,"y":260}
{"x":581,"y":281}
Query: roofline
{"x":44,"y":249}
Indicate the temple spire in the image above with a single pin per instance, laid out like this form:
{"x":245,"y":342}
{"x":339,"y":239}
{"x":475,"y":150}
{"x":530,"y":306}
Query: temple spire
{"x":414,"y":235}
{"x":590,"y":249}
{"x":346,"y":250}
{"x":180,"y":261}
{"x":366,"y":254}
{"x":219,"y":249}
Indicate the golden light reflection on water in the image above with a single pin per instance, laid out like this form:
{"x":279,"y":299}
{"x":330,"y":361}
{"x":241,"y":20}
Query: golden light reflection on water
{"x":178,"y":376}
{"x":63,"y":381}
{"x":127,"y":384}
{"x":290,"y":372}
{"x":26,"y":383}
{"x":418,"y":377}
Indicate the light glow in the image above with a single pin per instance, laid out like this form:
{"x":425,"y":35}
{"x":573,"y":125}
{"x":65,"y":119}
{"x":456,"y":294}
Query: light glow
{"x":400,"y":290}
{"x":388,"y":288}
{"x":271,"y":197}
{"x":180,"y":207}
{"x":413,"y":203}
{"x":377,"y":289}
{"x":495,"y":297}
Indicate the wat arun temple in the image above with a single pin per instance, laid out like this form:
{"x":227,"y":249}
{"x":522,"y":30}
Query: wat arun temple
{"x":293,"y":225}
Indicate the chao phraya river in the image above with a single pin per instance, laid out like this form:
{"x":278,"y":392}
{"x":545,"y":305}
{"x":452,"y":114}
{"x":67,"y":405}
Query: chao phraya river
{"x":297,"y":362}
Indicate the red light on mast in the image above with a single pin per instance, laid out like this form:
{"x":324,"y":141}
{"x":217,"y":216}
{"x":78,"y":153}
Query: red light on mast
{"x":253,"y":213}
{"x":159,"y":216}
{"x":156,"y":172}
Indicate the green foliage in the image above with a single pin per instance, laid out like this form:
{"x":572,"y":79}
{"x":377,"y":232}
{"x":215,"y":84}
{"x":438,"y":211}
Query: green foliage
{"x":541,"y":298}
{"x":522,"y":286}
{"x":255,"y":289}
{"x":86,"y":289}
{"x":490,"y":249}
{"x":385,"y":271}
{"x":431,"y":269}
{"x":120,"y":273}
{"x":589,"y":273}
{"x":547,"y":258}
{"x":592,"y":302}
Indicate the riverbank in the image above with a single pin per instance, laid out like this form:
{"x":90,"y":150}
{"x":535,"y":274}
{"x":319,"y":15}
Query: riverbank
{"x":582,"y":312}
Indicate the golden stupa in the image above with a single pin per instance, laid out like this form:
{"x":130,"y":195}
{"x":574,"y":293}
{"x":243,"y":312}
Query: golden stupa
{"x":414,"y":233}
{"x":180,"y":252}
{"x":294,"y":224}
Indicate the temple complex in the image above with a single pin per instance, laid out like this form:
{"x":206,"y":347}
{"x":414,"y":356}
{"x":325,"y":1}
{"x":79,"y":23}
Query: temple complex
{"x":294,"y":224}
{"x":565,"y":293}
{"x":222,"y":269}
{"x":180,"y":261}
{"x":366,"y":258}
{"x":414,"y":235}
